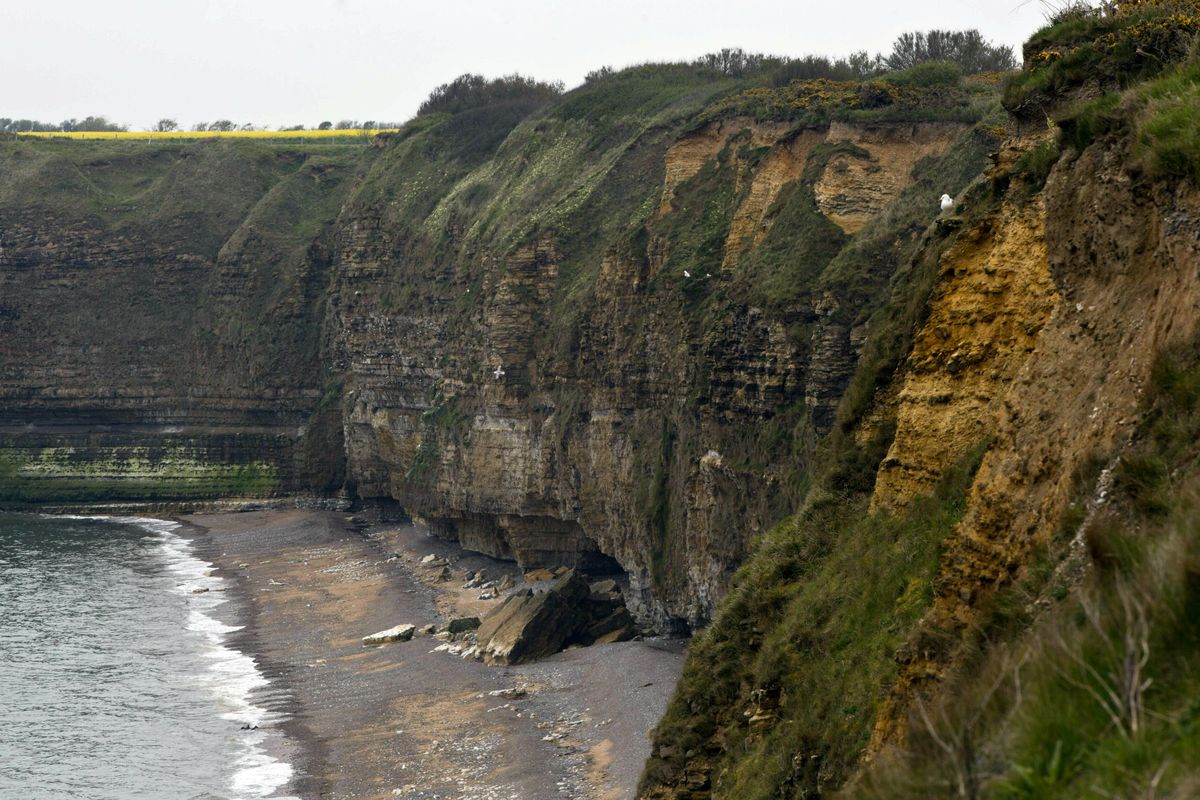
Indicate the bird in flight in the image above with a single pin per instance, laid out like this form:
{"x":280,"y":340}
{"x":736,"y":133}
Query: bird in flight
{"x":499,"y":373}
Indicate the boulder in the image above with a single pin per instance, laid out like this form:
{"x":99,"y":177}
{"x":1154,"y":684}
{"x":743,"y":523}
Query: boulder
{"x":529,"y":625}
{"x":462,"y":625}
{"x":607,"y":586}
{"x":400,"y":633}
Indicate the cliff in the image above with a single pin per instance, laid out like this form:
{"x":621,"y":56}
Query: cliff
{"x":161,"y":311}
{"x":607,"y":331}
{"x":711,"y":332}
{"x":986,"y":614}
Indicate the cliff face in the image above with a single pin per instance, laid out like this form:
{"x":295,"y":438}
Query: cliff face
{"x":161,"y":318}
{"x":604,"y":332}
{"x":607,"y":342}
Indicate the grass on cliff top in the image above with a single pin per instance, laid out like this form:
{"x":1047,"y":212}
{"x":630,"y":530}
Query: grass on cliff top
{"x":1110,"y":51}
{"x":1097,"y":698}
{"x":1161,"y":115}
{"x":928,"y":93}
{"x":779,"y":695}
{"x":154,"y":187}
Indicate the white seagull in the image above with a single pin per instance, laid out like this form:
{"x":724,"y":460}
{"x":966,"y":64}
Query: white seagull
{"x":947,"y":204}
{"x":687,"y":274}
{"x":499,"y":373}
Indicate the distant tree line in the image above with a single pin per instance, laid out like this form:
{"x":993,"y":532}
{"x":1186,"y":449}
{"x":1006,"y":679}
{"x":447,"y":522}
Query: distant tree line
{"x":474,"y":91}
{"x":168,"y":125}
{"x":967,"y":50}
{"x":69,"y":125}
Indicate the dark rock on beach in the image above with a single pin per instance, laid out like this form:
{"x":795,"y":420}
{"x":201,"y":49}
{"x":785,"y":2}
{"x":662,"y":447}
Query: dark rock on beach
{"x":531,"y":625}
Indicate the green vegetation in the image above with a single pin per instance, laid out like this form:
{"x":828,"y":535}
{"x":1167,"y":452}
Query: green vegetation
{"x":1161,"y":112}
{"x":779,"y":693}
{"x":475,"y":91}
{"x":1167,"y":123}
{"x":166,"y":471}
{"x":1114,"y":50}
{"x":929,"y":73}
{"x":928,"y":93}
{"x":967,"y":50}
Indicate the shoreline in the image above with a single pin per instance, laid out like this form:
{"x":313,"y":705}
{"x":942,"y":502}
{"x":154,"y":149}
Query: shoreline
{"x":289,"y":745}
{"x":407,"y":719}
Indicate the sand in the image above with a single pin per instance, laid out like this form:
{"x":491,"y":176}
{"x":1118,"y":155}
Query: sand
{"x":403,"y":719}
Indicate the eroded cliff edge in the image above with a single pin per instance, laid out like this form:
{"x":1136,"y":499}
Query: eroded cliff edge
{"x":987,"y":617}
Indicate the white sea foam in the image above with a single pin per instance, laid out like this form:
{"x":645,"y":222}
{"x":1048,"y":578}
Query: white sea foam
{"x":231,"y":676}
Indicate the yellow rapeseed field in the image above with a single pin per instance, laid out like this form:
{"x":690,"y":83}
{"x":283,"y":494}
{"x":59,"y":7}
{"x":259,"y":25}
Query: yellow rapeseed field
{"x":159,"y":135}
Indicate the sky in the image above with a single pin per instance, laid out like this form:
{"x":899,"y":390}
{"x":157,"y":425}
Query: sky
{"x":299,"y":62}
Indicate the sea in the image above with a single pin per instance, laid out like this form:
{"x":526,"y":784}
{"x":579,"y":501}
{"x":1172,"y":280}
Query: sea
{"x":118,"y":677}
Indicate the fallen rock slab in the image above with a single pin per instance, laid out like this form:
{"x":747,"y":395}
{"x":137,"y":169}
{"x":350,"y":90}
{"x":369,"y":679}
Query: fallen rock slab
{"x":529,"y":625}
{"x":400,"y":633}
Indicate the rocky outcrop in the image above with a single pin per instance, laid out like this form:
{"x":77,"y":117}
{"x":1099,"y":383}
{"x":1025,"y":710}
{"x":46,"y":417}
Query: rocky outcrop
{"x":398,"y":633}
{"x":993,"y":297}
{"x":1125,"y":266}
{"x":860,"y":181}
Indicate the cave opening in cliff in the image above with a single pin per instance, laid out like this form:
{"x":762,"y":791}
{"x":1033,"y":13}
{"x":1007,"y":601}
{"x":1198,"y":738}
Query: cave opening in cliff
{"x":597,"y":564}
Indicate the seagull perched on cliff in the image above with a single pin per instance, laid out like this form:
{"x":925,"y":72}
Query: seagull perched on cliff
{"x":499,"y":373}
{"x":687,"y":274}
{"x":947,"y":204}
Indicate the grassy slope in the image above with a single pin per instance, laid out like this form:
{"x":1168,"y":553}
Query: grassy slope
{"x":779,"y":695}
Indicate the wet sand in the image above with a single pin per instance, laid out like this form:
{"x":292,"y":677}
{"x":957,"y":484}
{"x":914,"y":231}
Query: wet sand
{"x":405,"y":719}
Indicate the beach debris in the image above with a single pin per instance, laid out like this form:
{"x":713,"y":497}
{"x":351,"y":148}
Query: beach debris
{"x":511,"y":693}
{"x":430,"y":559}
{"x":491,"y":593}
{"x":200,"y":590}
{"x":400,"y":633}
{"x":462,"y":625}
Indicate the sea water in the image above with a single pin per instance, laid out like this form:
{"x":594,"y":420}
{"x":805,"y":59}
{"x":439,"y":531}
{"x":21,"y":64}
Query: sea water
{"x":117,"y":677}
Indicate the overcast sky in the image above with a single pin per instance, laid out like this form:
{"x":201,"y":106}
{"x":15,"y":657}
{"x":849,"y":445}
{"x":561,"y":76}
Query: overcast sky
{"x":283,"y":62}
